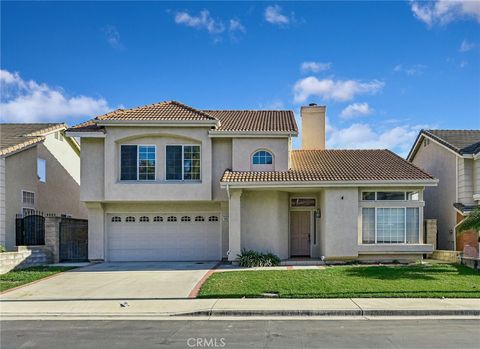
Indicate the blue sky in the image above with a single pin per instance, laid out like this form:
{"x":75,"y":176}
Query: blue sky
{"x":383,"y":69}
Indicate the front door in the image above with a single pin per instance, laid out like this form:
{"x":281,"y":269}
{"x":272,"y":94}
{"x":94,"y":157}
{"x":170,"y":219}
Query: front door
{"x":300,"y":233}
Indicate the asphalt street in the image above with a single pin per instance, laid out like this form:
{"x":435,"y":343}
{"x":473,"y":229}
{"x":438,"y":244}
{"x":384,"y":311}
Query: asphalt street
{"x":415,"y":333}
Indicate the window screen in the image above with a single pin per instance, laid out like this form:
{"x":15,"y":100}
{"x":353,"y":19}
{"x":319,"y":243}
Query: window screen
{"x":128,"y":166}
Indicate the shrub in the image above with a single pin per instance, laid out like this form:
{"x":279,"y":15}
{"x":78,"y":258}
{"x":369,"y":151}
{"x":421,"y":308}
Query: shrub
{"x":251,"y":259}
{"x":2,"y":249}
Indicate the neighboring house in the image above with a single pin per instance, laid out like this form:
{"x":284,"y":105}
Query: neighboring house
{"x":452,"y":156}
{"x":169,"y":182}
{"x":39,"y":171}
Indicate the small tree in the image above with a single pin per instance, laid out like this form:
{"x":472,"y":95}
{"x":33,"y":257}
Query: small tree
{"x":472,"y":222}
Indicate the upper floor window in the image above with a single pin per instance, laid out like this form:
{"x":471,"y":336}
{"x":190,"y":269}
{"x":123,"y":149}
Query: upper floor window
{"x":41,"y":170}
{"x":28,"y":198}
{"x":59,"y":136}
{"x":182,"y":162}
{"x":137,"y":162}
{"x":262,"y":157}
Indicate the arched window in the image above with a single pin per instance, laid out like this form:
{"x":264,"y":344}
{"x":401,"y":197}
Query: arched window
{"x":171,"y":219}
{"x":116,"y":219}
{"x":199,"y":219}
{"x":262,"y":157}
{"x":130,"y":219}
{"x":213,"y":219}
{"x":158,"y":219}
{"x":144,"y":219}
{"x":186,"y":219}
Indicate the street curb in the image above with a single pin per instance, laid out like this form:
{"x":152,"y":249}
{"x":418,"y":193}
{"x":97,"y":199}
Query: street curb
{"x":359,"y":312}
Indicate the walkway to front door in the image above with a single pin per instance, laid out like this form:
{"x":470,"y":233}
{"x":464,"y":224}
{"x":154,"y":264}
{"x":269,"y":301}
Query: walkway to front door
{"x":300,"y":233}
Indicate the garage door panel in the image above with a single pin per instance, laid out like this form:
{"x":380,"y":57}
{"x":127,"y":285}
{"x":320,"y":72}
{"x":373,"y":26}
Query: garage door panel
{"x":163,"y":240}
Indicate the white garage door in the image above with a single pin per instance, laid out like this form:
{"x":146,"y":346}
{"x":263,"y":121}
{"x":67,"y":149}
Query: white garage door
{"x":164,"y":237}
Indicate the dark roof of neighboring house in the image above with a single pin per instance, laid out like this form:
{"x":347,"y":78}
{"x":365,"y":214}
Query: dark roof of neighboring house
{"x":464,"y":209}
{"x":337,"y":165}
{"x":14,"y":137}
{"x":461,"y":141}
{"x":229,"y":120}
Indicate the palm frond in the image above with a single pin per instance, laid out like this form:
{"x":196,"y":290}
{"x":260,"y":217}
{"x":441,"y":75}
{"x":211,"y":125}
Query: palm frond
{"x":471,"y":222}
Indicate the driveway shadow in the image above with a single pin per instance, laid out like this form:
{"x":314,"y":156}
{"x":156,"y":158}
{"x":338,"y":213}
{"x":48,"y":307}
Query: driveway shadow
{"x":145,"y":266}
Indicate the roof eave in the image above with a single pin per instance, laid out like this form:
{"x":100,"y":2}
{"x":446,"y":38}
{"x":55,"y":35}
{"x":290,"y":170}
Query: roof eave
{"x":85,"y":134}
{"x":219,"y":134}
{"x":325,"y":184}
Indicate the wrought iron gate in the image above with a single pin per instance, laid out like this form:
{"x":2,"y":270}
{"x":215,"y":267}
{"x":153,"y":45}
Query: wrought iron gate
{"x":30,"y":230}
{"x":73,"y":240}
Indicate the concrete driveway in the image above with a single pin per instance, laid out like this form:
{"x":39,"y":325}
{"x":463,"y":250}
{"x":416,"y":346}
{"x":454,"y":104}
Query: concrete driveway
{"x":118,"y":281}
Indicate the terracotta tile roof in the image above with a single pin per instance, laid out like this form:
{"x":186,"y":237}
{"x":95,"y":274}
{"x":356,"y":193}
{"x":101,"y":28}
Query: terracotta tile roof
{"x":229,"y":120}
{"x":255,"y":120}
{"x":14,"y":137}
{"x":337,"y":165}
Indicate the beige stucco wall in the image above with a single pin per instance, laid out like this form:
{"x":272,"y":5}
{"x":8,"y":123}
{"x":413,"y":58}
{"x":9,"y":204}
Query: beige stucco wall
{"x":465,"y":181}
{"x":264,"y":225}
{"x":442,"y":164}
{"x":313,"y":127}
{"x":159,"y":189}
{"x":340,"y":218}
{"x":92,"y":169}
{"x":244,"y":148}
{"x":222,"y":160}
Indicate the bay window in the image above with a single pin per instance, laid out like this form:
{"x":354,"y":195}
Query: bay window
{"x":390,"y":225}
{"x":183,"y":162}
{"x":137,"y":162}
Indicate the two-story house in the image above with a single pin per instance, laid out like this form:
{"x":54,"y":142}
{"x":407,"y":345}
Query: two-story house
{"x":39,"y":171}
{"x":452,"y":156}
{"x":166,"y":182}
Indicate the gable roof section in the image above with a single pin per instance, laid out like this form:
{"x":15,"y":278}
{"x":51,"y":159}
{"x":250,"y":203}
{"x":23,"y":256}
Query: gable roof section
{"x":261,"y":121}
{"x":255,"y":120}
{"x":337,"y":166}
{"x":462,"y":142}
{"x":15,"y":137}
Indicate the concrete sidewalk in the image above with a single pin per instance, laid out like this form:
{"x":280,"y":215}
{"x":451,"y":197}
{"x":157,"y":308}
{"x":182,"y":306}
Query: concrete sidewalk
{"x":145,"y":308}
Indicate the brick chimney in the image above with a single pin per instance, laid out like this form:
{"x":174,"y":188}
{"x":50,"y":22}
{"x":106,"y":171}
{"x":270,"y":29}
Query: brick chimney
{"x":313,"y":126}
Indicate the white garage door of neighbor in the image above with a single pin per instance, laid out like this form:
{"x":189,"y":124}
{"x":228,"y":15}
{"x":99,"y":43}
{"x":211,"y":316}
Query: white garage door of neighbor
{"x":164,"y":237}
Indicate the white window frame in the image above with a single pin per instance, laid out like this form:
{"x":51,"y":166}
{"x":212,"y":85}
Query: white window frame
{"x":138,"y":163}
{"x":27,"y":206}
{"x":183,"y":159}
{"x":405,"y":226}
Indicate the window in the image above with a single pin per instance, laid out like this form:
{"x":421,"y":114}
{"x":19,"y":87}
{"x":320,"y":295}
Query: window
{"x":28,"y":197}
{"x":199,"y":219}
{"x":41,"y":170}
{"x":426,"y":142}
{"x":59,"y":136}
{"x":158,"y":219}
{"x":262,"y":157}
{"x":172,"y":219}
{"x":213,"y":219}
{"x":116,"y":219}
{"x":390,"y":195}
{"x":302,"y":202}
{"x":183,"y":162}
{"x":130,"y":219}
{"x":144,"y":219}
{"x":390,"y":225}
{"x":186,"y":219}
{"x":137,"y":162}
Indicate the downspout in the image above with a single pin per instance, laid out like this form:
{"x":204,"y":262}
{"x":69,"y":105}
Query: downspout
{"x":228,"y":196}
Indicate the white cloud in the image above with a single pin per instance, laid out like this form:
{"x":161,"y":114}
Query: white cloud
{"x":416,"y":69}
{"x":274,"y":15}
{"x":29,"y":101}
{"x":466,"y":46}
{"x":236,"y":25}
{"x":113,"y":37}
{"x":442,"y":12}
{"x":364,"y":136}
{"x":356,"y":109}
{"x":337,"y":90}
{"x":202,"y":21}
{"x":314,"y":67}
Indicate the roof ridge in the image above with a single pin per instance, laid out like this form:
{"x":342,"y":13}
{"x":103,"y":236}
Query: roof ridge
{"x":250,"y":110}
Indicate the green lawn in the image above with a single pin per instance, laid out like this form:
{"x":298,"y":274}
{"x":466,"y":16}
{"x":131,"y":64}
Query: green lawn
{"x":418,"y":281}
{"x":16,"y":278}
